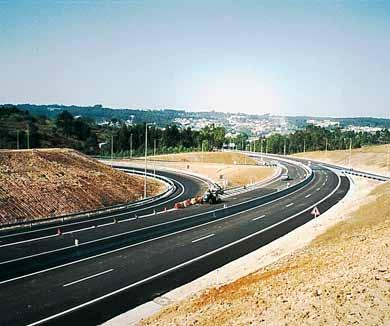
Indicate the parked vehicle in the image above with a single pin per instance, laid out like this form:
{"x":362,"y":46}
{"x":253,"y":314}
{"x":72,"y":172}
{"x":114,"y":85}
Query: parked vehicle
{"x":211,"y":196}
{"x":285,"y":176}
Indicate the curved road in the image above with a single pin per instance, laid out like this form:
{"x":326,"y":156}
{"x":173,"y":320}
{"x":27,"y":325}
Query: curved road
{"x":121,"y":265}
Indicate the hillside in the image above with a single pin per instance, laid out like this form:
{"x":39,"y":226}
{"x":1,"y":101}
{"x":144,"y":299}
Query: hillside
{"x":206,"y":157}
{"x":43,"y":183}
{"x":374,"y":159}
{"x":225,"y":168}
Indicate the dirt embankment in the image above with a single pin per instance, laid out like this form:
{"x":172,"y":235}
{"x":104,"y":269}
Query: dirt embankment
{"x":43,"y":183}
{"x":229,"y":169}
{"x":374,"y":159}
{"x":207,"y":157}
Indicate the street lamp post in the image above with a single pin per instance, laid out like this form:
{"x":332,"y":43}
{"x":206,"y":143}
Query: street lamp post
{"x":112,"y":146}
{"x":146,"y":155}
{"x":154,"y":161}
{"x":131,"y":146}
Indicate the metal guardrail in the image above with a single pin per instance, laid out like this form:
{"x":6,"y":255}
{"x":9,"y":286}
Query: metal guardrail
{"x":96,"y":212}
{"x":232,"y":190}
{"x":68,"y":254}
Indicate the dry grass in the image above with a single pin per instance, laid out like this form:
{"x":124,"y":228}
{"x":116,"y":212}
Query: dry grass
{"x":236,"y":175}
{"x":43,"y":183}
{"x":236,"y":168}
{"x":369,"y":158}
{"x":207,"y":157}
{"x":341,"y":278}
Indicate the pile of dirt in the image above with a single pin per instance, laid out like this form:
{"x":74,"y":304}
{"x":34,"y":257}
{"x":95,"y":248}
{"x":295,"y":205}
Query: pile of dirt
{"x":341,"y":278}
{"x":42,"y":183}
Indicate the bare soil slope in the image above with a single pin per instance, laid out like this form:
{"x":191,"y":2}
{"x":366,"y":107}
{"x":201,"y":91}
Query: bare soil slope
{"x":236,"y":168}
{"x":207,"y":157}
{"x":369,"y":158}
{"x":43,"y":183}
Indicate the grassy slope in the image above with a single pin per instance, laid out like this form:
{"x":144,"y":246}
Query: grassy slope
{"x":207,"y":157}
{"x":41,"y":183}
{"x":369,"y":158}
{"x":237,"y":168}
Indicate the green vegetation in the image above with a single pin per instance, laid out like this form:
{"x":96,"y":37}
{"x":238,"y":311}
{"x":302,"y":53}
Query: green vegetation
{"x":21,"y":129}
{"x":313,"y":138}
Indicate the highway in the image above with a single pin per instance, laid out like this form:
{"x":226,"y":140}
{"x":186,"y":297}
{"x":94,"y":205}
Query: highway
{"x":121,"y":265}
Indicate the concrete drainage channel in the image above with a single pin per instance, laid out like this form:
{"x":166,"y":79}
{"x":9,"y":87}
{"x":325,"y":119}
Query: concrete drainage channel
{"x":95,"y":213}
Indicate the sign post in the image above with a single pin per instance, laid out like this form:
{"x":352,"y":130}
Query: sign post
{"x":315,"y":212}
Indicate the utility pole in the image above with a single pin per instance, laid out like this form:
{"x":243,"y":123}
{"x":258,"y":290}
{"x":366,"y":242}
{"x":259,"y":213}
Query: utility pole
{"x":326,"y":147}
{"x":17,"y":139}
{"x":28,"y":138}
{"x":350,"y":151}
{"x":261,"y":145}
{"x":154,"y":161}
{"x":112,"y":146}
{"x":284,"y":147}
{"x":304,"y":145}
{"x":146,"y":156}
{"x":202,"y":152}
{"x":131,"y":146}
{"x":388,"y":156}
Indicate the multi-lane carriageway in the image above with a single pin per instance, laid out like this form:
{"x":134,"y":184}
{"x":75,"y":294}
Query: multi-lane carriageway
{"x":129,"y":259}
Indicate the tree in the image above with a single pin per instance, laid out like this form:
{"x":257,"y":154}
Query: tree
{"x":64,"y":122}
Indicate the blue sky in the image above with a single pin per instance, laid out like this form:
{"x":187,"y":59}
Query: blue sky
{"x":281,"y":57}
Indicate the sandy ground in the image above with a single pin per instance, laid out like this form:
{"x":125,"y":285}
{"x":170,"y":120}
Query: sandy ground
{"x":375,"y":159}
{"x":207,"y":157}
{"x":226,"y":169}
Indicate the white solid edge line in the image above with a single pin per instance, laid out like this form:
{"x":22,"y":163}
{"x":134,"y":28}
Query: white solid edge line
{"x":202,"y":238}
{"x":149,"y":227}
{"x":88,"y":277}
{"x":92,"y":220}
{"x":258,"y":218}
{"x":182,"y":264}
{"x":79,"y":230}
{"x":119,"y":214}
{"x":24,"y":241}
{"x":146,"y":241}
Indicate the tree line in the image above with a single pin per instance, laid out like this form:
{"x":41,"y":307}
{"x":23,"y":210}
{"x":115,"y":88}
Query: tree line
{"x":20,"y":129}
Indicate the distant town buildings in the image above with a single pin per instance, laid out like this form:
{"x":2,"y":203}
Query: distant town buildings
{"x":323,"y":123}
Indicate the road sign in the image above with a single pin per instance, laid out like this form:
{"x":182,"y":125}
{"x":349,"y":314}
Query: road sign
{"x":315,"y":212}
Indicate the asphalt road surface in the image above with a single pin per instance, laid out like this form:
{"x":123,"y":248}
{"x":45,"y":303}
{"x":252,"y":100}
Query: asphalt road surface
{"x":121,"y":265}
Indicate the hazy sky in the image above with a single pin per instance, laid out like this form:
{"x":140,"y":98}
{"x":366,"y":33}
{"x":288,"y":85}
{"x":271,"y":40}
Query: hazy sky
{"x":282,"y":57}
